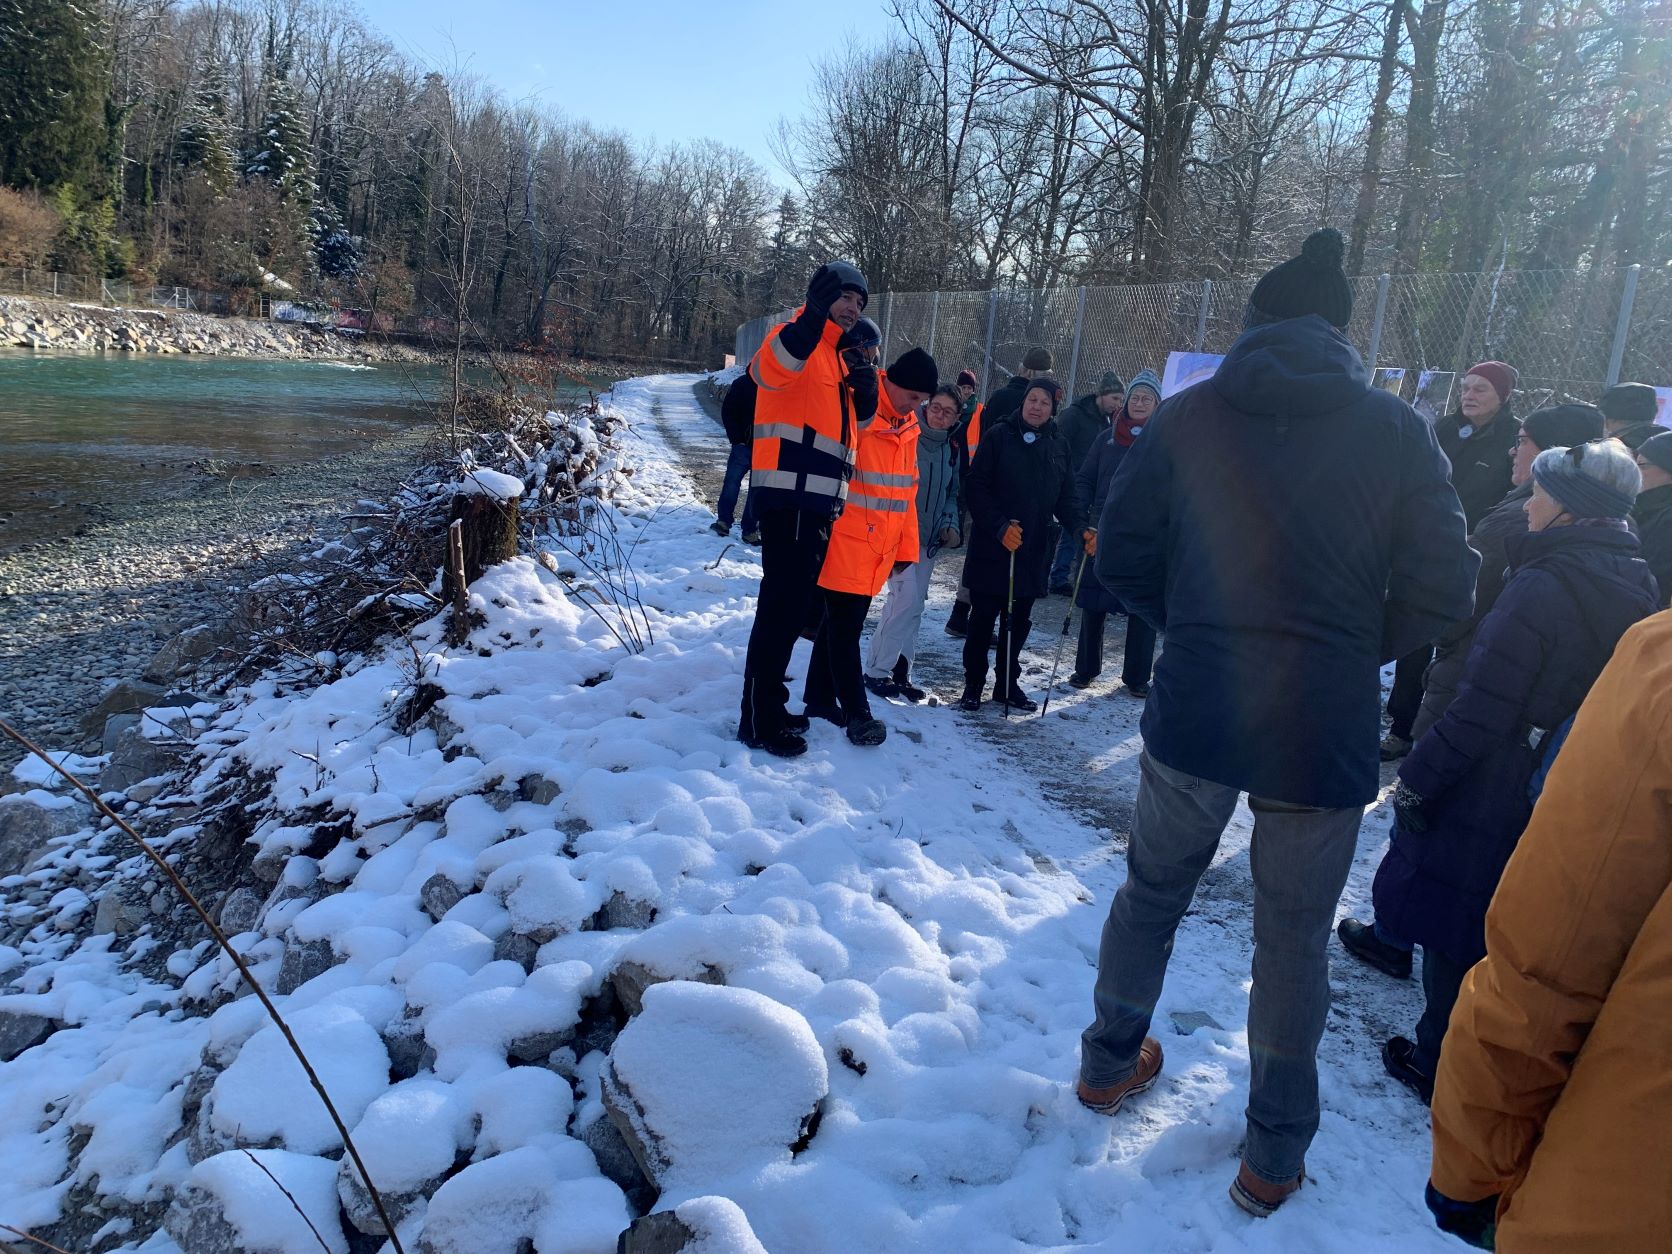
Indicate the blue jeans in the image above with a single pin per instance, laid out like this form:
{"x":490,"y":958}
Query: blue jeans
{"x":1299,"y":860}
{"x":737,"y":466}
{"x":1062,"y":567}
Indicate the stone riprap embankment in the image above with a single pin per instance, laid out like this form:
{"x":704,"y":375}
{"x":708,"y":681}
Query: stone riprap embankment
{"x":67,"y":327}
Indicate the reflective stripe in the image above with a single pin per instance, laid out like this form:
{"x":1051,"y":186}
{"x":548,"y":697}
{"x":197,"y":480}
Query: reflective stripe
{"x":821,"y":485}
{"x":882,"y":479}
{"x":797,"y":434}
{"x":788,"y":360}
{"x":882,"y":504}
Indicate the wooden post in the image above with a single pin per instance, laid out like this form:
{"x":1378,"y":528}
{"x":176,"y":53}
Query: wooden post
{"x":459,"y":628}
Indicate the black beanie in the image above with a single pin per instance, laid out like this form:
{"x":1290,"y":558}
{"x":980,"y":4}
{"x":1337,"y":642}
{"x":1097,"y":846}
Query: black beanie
{"x":1629,"y":403}
{"x":1563,"y":426}
{"x":1312,"y":283}
{"x":1658,"y":450}
{"x":915,"y":371}
{"x":1046,"y":384}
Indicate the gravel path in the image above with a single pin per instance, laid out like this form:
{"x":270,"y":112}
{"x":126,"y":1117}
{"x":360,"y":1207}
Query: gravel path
{"x":79,"y":613}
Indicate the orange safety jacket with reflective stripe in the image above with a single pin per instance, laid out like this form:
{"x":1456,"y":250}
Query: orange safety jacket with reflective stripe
{"x":804,"y":427}
{"x":879,"y":525}
{"x":972,"y":434}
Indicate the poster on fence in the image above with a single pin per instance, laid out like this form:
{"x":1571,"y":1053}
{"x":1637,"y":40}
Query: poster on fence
{"x":1663,"y":406}
{"x":1390,"y":379}
{"x":1186,"y":369}
{"x":1434,"y":393}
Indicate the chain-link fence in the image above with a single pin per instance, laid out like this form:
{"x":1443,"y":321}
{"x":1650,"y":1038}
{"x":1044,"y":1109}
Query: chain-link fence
{"x":28,"y":281}
{"x":1571,"y":333}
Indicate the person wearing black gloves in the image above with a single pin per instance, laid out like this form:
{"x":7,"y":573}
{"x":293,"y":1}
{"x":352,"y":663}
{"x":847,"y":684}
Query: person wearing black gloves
{"x":1019,"y":481}
{"x":807,"y":422}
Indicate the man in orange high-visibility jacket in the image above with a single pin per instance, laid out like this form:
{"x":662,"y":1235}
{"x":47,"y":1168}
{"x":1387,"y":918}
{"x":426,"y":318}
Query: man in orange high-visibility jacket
{"x":875,"y":536}
{"x":806,"y":425}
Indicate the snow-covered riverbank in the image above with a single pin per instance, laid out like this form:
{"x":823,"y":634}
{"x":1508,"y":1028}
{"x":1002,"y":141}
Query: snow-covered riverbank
{"x":884,"y":960}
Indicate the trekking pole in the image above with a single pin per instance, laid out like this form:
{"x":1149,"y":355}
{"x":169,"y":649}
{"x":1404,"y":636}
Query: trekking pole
{"x":1009,"y":606}
{"x":1056,"y":658}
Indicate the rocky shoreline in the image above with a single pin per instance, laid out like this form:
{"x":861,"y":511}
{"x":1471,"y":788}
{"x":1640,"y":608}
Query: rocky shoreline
{"x":81,"y":613}
{"x":61,"y":326}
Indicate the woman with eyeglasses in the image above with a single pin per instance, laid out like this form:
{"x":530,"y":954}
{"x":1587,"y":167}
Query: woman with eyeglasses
{"x":1462,"y":798}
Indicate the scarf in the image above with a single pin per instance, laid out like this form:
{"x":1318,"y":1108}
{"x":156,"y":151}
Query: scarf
{"x":1126,"y":428}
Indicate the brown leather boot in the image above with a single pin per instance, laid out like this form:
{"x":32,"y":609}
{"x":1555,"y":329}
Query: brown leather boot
{"x":1106,"y":1101}
{"x":1261,"y":1197}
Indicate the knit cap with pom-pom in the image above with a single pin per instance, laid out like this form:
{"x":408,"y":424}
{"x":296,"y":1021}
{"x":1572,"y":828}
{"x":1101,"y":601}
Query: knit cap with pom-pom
{"x":1312,"y":283}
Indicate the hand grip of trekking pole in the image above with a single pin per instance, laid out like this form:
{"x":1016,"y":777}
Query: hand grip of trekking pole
{"x":1011,"y":537}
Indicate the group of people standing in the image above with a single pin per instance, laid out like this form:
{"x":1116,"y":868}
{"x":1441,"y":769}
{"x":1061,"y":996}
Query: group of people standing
{"x":1291,"y":530}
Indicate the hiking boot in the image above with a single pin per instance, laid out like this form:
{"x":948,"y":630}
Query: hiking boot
{"x":1399,"y":1056}
{"x":1261,"y":1197}
{"x":1137,"y":691}
{"x":1020,"y":702}
{"x":752,"y":537}
{"x":800,"y":724}
{"x":867,"y":732}
{"x":1107,"y":1101}
{"x":883,"y":688}
{"x":1360,"y":940}
{"x":720,"y":528}
{"x":1394,"y":747}
{"x":1077,"y":680}
{"x":971,"y":700}
{"x":782,"y":743}
{"x":903,"y":684}
{"x":959,"y":623}
{"x":1063,"y":589}
{"x":829,"y":713}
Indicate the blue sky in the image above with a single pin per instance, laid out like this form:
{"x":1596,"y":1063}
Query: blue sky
{"x":663,"y":69}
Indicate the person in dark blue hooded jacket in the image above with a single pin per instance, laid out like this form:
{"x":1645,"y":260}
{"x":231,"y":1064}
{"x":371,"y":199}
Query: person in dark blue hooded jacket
{"x":1290,"y":529}
{"x":1461,"y":803}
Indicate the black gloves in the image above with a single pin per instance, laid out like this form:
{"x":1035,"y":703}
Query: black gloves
{"x":1408,"y":806}
{"x":862,"y":381}
{"x":1474,"y":1222}
{"x":801,"y":337}
{"x":824,"y":290}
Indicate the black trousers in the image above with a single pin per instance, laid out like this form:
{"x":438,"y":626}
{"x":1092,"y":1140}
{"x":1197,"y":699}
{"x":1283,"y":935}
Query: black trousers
{"x":1405,"y":699}
{"x":1442,"y":981}
{"x":1139,"y":653}
{"x":986,"y":610}
{"x":836,"y":676}
{"x":793,"y":545}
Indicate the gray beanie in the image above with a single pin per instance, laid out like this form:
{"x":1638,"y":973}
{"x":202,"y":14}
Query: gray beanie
{"x":1111,"y":382}
{"x":1599,"y":480}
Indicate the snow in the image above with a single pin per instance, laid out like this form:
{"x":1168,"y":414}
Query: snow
{"x":725,"y":1078}
{"x":491,"y":483}
{"x":265,"y":1222}
{"x":911,"y":929}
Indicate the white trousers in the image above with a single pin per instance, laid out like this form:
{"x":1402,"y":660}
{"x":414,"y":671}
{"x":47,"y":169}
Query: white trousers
{"x":899,"y":619}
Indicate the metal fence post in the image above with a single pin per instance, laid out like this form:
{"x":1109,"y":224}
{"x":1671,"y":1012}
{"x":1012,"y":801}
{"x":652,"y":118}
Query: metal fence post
{"x":1202,"y":317}
{"x":1074,"y":353}
{"x":934,"y":318}
{"x":992,"y":323}
{"x":55,"y":282}
{"x":1382,"y":285}
{"x":887,"y":324}
{"x":1622,"y":329}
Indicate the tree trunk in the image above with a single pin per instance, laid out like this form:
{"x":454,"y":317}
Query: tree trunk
{"x":1364,"y":213}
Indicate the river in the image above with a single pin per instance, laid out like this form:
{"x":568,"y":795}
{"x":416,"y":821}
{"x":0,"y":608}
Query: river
{"x":85,"y":438}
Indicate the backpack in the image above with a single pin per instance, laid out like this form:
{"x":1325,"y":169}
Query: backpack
{"x":737,"y":411}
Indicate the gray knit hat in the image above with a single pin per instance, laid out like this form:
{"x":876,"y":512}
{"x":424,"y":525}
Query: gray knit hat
{"x":1599,"y":480}
{"x":1111,"y":382}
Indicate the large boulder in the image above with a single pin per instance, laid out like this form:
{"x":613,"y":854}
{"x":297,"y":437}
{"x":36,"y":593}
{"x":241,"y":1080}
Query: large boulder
{"x":28,"y":821}
{"x":707,"y":1079}
{"x":184,"y":653}
{"x":233,"y":1204}
{"x":703,"y":1225}
{"x":20,"y":1031}
{"x":135,"y":757}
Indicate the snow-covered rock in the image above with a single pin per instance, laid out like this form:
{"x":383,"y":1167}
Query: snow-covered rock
{"x":29,"y":820}
{"x":20,"y":1030}
{"x":708,"y":1078}
{"x":703,"y":1225}
{"x":235,"y":1203}
{"x":409,"y":1139}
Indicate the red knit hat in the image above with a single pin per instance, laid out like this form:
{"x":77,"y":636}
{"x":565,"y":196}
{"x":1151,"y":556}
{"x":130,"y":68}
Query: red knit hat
{"x":1501,"y":375}
{"x":966,"y":376}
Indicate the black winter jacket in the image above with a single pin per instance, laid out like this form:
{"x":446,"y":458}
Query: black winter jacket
{"x":1653,"y":517}
{"x":1573,"y":594}
{"x":1290,"y":529}
{"x":1480,"y":462}
{"x":1003,"y":404}
{"x":1097,"y":472}
{"x":1015,"y":477}
{"x":1081,"y":423}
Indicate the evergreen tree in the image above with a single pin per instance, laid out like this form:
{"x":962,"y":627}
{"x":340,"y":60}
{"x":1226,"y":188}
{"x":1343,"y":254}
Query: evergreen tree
{"x":279,"y":148}
{"x":204,"y":142}
{"x":53,"y":84}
